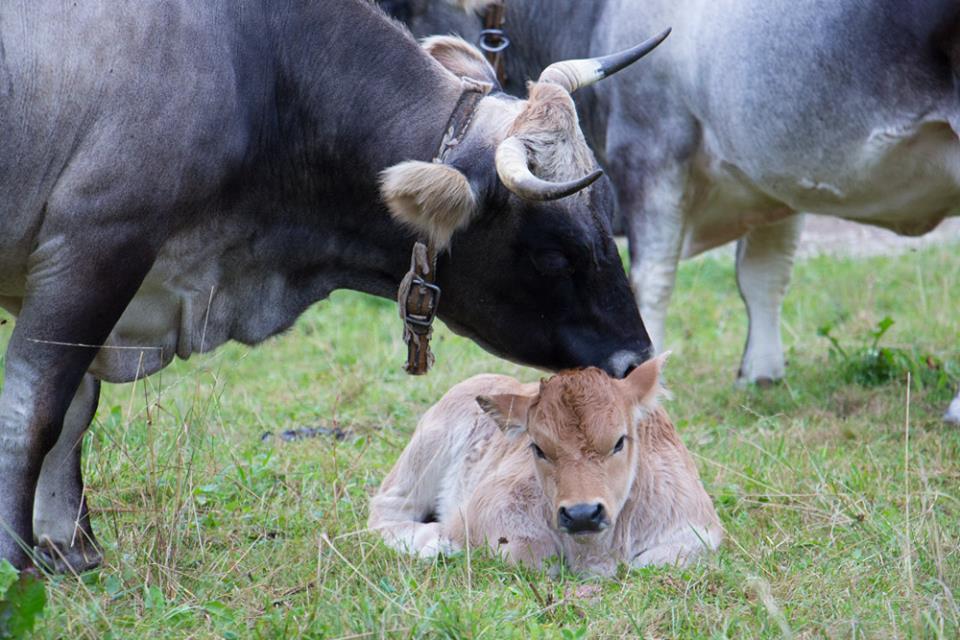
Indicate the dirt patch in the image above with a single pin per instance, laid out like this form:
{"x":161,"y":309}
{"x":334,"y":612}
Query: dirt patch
{"x":833,"y":236}
{"x":825,"y":235}
{"x":302,"y":433}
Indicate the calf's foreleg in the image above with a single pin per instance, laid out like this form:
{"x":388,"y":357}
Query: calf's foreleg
{"x":682,"y":547}
{"x":404,"y":511}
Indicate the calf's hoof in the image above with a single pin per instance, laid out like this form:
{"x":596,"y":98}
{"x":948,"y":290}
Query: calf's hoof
{"x":56,"y":557}
{"x":438,"y":547}
{"x":430,"y":542}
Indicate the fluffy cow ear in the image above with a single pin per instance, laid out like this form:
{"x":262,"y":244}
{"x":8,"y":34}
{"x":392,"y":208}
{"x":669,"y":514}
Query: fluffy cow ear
{"x":508,"y":411}
{"x":643,"y":384}
{"x":434,"y":199}
{"x":460,"y":58}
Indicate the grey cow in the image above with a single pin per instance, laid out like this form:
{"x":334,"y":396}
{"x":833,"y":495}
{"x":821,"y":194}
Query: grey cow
{"x":175,"y":174}
{"x":753,"y":111}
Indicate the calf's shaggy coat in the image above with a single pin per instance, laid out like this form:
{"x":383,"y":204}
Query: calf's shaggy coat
{"x":582,"y":467}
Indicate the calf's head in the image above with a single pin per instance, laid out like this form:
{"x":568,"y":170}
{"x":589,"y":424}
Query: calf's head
{"x":532,"y":272}
{"x":582,"y":428}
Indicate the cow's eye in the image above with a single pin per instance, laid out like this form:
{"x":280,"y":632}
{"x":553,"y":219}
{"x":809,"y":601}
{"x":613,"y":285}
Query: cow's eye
{"x":617,"y":448}
{"x":537,"y":451}
{"x":552,"y":263}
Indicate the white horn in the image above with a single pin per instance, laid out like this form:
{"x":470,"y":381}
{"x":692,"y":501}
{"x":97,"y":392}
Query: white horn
{"x":511,"y":160}
{"x":575,"y":74}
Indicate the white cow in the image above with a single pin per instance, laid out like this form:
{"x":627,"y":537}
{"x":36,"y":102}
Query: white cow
{"x":751,"y":112}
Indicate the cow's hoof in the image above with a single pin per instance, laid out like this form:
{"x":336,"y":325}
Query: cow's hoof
{"x":765,"y":383}
{"x":61,"y":558}
{"x":952,"y":416}
{"x":761,"y":382}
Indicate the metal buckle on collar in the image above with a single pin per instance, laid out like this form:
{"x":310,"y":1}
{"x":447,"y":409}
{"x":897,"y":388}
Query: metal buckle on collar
{"x":417,"y":298}
{"x":418,"y":319}
{"x":493,"y":40}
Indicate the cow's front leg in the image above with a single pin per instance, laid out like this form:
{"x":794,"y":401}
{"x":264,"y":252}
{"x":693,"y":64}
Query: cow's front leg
{"x":655,"y":220}
{"x":61,"y":521}
{"x":78,"y":284}
{"x":764,"y":261}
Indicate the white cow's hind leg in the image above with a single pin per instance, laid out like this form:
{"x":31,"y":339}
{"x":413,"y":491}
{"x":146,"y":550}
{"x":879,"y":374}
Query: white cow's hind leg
{"x":953,"y":411}
{"x":764,"y":261}
{"x":61,"y":522}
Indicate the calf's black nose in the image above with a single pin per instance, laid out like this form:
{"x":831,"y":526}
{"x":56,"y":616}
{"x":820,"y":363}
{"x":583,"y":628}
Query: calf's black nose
{"x":583,"y":518}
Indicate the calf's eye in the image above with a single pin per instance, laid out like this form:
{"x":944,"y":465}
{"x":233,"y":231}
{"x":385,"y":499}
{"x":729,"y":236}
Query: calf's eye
{"x":537,"y":451}
{"x":617,"y":448}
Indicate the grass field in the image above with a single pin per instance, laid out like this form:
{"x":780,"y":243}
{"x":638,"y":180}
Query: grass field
{"x":843,"y":517}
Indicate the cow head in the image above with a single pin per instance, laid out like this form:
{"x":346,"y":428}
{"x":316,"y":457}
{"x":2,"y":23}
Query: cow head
{"x":532,"y":272}
{"x":583,"y":431}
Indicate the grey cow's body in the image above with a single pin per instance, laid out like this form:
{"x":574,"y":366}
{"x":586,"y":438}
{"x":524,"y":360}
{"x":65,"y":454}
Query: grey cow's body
{"x":751,"y":112}
{"x":178,"y":173}
{"x":113,"y":170}
{"x":139,"y":154}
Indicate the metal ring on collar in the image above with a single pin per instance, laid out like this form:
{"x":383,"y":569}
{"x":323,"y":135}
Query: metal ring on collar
{"x":493,"y":40}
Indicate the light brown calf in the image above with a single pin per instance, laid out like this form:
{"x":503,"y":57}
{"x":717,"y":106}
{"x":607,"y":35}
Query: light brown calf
{"x":581,"y":466}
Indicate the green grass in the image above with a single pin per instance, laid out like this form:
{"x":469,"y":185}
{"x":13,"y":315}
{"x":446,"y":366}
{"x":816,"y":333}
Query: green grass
{"x":211,"y":533}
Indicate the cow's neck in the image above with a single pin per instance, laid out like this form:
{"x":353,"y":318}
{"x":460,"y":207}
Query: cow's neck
{"x":356,"y":95}
{"x":542,"y":32}
{"x":361,"y":95}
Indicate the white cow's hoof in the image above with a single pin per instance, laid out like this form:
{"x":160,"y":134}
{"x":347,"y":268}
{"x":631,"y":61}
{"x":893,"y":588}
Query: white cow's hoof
{"x":762,"y":371}
{"x":762,"y":382}
{"x":952,"y":416}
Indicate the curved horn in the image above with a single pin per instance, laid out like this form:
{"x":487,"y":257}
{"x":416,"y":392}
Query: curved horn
{"x":511,"y":160}
{"x":574,"y":74}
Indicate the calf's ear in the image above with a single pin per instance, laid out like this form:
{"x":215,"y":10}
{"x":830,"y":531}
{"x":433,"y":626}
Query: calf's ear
{"x":460,"y":58}
{"x":642,"y":386}
{"x":508,"y":411}
{"x":434,"y":199}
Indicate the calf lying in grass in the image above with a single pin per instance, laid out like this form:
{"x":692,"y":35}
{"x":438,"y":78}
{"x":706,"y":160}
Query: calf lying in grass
{"x":581,"y":466}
